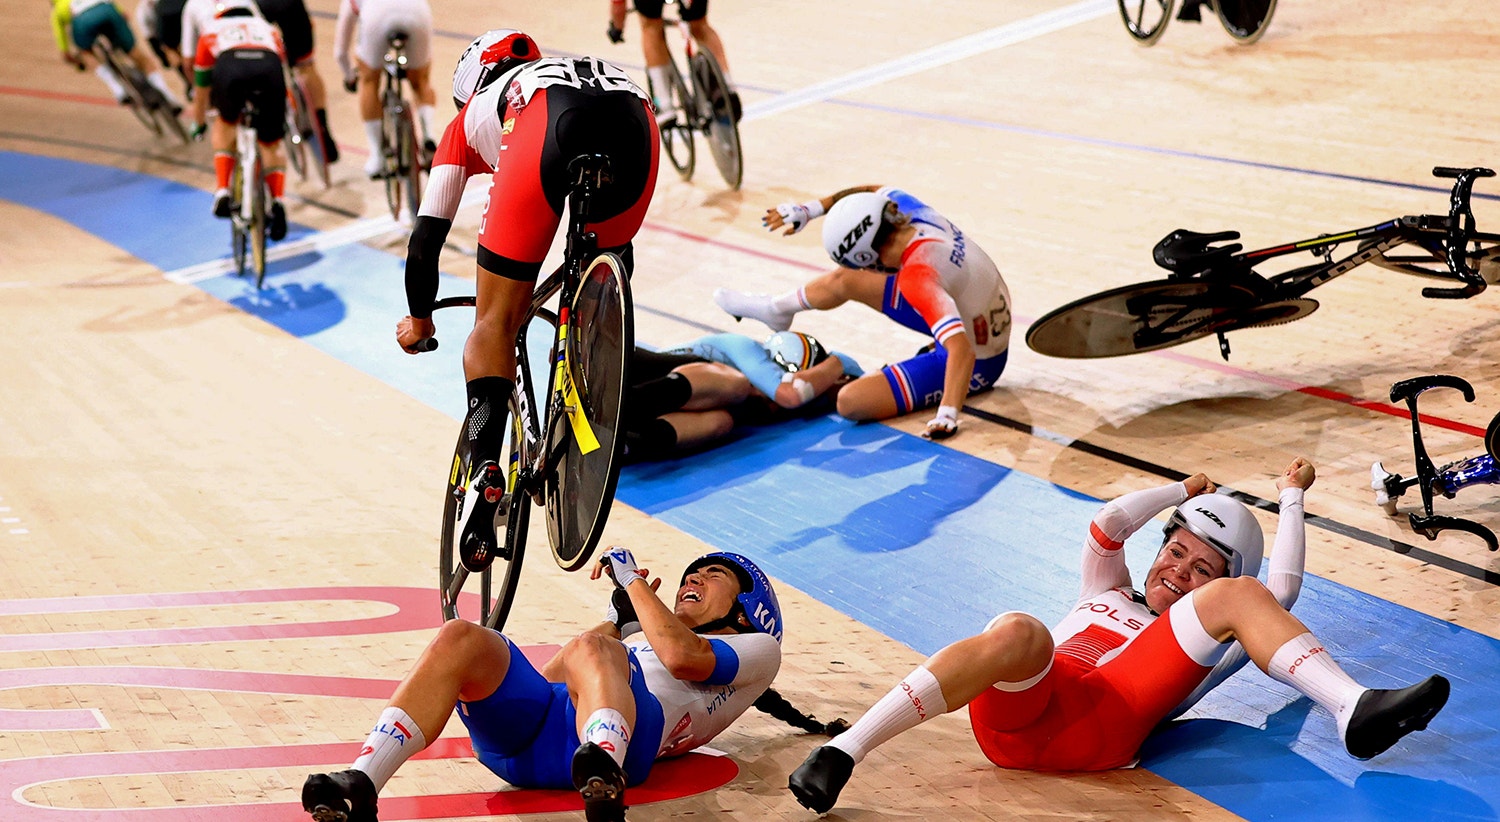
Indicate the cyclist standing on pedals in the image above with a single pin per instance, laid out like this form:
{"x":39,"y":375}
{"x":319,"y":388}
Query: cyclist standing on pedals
{"x":654,"y":48}
{"x":238,"y":59}
{"x":291,"y":17}
{"x":78,"y":23}
{"x":1084,"y":696}
{"x":522,"y":118}
{"x":652,"y":681}
{"x":692,"y":395}
{"x":902,"y":258}
{"x":373,"y":22}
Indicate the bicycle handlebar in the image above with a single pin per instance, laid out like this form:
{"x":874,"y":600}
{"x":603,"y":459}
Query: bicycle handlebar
{"x":1460,"y":229}
{"x":431,"y":343}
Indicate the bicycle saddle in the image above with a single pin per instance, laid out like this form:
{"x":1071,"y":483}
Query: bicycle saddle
{"x":1188,"y":252}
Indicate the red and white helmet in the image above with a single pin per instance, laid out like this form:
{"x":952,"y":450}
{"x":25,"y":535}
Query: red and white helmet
{"x":491,"y":55}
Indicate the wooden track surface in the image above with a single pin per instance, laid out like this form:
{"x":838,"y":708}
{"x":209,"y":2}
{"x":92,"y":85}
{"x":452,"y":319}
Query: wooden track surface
{"x":154,"y":440}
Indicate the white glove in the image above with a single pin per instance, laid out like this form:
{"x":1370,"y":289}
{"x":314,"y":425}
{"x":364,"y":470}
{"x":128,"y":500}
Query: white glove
{"x":797,"y":215}
{"x":620,"y":565}
{"x":944,"y":425}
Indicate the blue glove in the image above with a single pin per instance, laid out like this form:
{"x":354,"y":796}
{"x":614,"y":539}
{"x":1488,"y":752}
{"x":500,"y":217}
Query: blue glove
{"x":622,"y":613}
{"x":619,"y":563}
{"x":851,"y":368}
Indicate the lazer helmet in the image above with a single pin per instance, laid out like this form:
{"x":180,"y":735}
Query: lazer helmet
{"x":489,"y":57}
{"x":850,"y":228}
{"x":236,"y":8}
{"x":757,"y":599}
{"x":794,"y":350}
{"x":1227,"y":526}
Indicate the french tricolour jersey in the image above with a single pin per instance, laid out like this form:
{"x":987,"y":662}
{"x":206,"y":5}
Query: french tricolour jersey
{"x":695,"y":712}
{"x":950,"y":281}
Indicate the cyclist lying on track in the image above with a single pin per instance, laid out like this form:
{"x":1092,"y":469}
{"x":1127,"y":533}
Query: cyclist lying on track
{"x":1085,"y":695}
{"x":652,"y":681}
{"x":239,"y":59}
{"x":78,"y":23}
{"x":376,"y":21}
{"x":903,"y":259}
{"x":523,"y":119}
{"x":693,"y":395}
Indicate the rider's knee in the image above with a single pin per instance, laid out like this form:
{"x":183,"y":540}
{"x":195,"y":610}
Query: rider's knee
{"x":460,"y":639}
{"x":1229,"y":591}
{"x":1018,"y":631}
{"x":590,"y":651}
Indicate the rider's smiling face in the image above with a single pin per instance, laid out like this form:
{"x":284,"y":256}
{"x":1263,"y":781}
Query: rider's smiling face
{"x":707,"y":594}
{"x":1184,"y":563}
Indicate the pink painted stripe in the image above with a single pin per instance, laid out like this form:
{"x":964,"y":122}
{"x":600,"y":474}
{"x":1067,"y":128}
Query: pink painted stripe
{"x":59,"y":95}
{"x":49,"y":719}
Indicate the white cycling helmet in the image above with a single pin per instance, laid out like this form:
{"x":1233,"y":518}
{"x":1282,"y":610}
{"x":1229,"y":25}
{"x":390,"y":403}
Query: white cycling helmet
{"x":1227,"y":526}
{"x":491,"y":55}
{"x":850,"y":227}
{"x":236,"y":8}
{"x":794,"y":350}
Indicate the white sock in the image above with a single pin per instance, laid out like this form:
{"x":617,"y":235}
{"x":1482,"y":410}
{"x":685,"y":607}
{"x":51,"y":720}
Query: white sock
{"x":1304,"y":664}
{"x":395,"y":739}
{"x":109,"y":80}
{"x":790,"y":302}
{"x":917,"y":699}
{"x":424,"y":117}
{"x":156,"y":79}
{"x":607,"y":729}
{"x":372,"y":136}
{"x":661,"y":83}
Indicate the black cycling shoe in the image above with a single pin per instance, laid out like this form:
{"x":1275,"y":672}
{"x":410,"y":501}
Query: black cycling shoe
{"x":277,"y":227}
{"x":817,"y":782}
{"x":481,"y":533}
{"x":345,"y":796}
{"x":601,"y":782}
{"x":1382,"y":717}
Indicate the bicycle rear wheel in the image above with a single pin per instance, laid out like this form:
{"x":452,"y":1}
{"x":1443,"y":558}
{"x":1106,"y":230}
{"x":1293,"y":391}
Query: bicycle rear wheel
{"x":601,"y":336}
{"x":677,"y":139}
{"x":498,"y":582}
{"x":390,"y":143}
{"x":296,"y":135}
{"x":1144,"y":317}
{"x":132,"y":81}
{"x":1145,"y":20}
{"x":1492,"y":438}
{"x":1245,"y":20}
{"x":723,"y":131}
{"x":239,"y":240}
{"x":411,"y":162}
{"x":256,"y":222}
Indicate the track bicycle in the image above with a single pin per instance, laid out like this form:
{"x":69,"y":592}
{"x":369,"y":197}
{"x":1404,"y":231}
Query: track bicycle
{"x":1214,"y":289}
{"x":564,"y":452}
{"x":1245,"y":20}
{"x":1448,"y":479}
{"x":704,"y":106}
{"x":248,"y":200}
{"x":398,"y":133}
{"x":144,"y":100}
{"x":304,"y":135}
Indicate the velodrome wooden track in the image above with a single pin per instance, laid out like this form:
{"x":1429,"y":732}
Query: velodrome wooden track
{"x":154,"y":440}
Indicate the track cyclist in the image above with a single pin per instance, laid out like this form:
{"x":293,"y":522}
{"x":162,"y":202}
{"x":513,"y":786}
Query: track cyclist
{"x":522,"y":118}
{"x":1085,"y":695}
{"x":78,"y":23}
{"x":654,"y":48}
{"x":238,"y":58}
{"x":368,"y":25}
{"x":902,"y":258}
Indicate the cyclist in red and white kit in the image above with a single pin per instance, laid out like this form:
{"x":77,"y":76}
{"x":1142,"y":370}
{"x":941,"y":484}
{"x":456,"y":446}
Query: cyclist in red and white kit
{"x":1085,"y":695}
{"x":522,"y":118}
{"x":902,"y":258}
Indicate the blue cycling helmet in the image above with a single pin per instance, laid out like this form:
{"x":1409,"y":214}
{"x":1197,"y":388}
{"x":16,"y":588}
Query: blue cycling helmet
{"x":757,"y":599}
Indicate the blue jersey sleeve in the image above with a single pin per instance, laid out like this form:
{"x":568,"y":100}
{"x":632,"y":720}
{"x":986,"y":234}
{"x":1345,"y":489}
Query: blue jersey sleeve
{"x":726,"y":663}
{"x":744,"y":355}
{"x":913,"y":208}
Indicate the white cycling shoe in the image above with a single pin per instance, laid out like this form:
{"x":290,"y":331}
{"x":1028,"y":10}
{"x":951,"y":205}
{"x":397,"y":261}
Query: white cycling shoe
{"x":755,"y":306}
{"x":1383,"y":498}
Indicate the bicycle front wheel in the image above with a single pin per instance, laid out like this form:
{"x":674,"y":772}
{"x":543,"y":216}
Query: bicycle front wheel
{"x":1427,"y":256}
{"x":601,"y":335}
{"x":723,"y":129}
{"x":1142,"y":317}
{"x":498,"y":582}
{"x":677,"y":137}
{"x":1245,"y":20}
{"x":1145,"y":20}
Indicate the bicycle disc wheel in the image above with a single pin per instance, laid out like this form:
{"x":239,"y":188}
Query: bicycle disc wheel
{"x":1141,"y":317}
{"x":294,"y":141}
{"x":1145,"y":20}
{"x":497,"y":583}
{"x":601,"y":335}
{"x":131,"y":80}
{"x":257,"y":223}
{"x":239,"y":240}
{"x":723,"y":132}
{"x":390,"y":145}
{"x":411,"y":163}
{"x":1245,"y":20}
{"x":677,"y":139}
{"x":1492,"y":438}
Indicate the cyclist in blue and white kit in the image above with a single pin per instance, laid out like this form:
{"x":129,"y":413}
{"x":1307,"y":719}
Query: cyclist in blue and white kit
{"x":902,"y":258}
{"x":652,"y":681}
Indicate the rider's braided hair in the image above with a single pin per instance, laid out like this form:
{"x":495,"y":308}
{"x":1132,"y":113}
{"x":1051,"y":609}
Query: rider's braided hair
{"x":776,"y":705}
